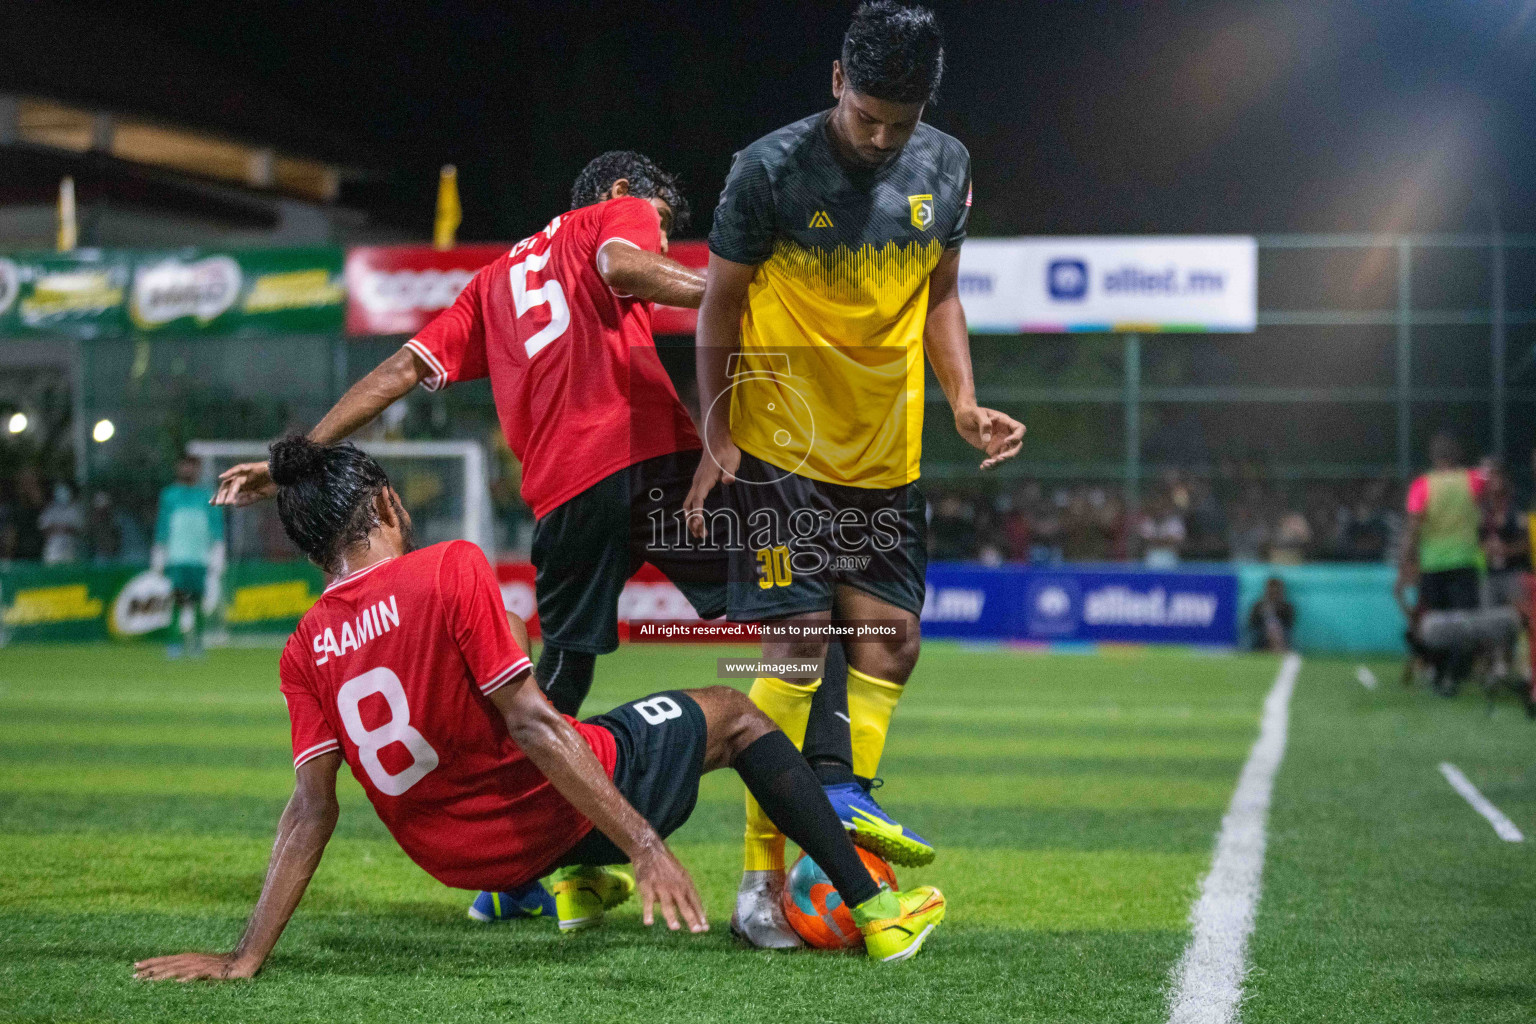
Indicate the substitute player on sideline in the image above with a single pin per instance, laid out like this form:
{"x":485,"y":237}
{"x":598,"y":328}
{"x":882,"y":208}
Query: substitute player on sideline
{"x":562,"y":326}
{"x":834,"y":263}
{"x":189,"y":550}
{"x":407,"y":669}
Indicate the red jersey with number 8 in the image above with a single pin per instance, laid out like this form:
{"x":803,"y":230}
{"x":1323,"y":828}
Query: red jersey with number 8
{"x":579,"y":388}
{"x":394,"y":666}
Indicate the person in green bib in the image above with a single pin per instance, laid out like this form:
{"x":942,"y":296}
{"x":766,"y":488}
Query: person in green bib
{"x":1442,"y":554}
{"x":189,"y":550}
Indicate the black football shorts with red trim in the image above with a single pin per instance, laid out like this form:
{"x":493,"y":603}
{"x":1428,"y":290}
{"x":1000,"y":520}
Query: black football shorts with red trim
{"x":588,"y":547}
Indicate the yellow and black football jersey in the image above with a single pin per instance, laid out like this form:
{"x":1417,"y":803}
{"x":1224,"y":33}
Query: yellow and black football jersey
{"x":829,"y":382}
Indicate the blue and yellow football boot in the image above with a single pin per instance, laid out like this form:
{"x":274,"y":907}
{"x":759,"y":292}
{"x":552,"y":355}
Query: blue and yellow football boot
{"x":531,"y":900}
{"x":870,"y":827}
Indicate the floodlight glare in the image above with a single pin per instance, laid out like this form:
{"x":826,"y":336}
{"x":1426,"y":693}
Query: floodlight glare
{"x":103,"y":431}
{"x":17,"y":423}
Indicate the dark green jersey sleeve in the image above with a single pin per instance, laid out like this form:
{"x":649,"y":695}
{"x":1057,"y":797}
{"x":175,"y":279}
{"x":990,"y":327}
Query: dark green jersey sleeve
{"x":744,"y":219}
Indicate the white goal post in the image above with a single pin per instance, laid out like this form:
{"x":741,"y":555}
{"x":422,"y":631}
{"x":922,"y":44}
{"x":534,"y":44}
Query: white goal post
{"x":450,"y":476}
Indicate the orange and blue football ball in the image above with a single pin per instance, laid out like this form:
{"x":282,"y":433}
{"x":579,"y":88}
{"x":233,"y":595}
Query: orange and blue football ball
{"x":816,"y":911}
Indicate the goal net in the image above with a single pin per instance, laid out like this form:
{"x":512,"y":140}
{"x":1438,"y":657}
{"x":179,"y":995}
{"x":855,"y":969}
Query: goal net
{"x":443,"y":485}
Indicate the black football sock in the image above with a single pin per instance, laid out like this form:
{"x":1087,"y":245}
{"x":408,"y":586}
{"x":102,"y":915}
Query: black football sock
{"x":828,"y":743}
{"x":790,"y":794}
{"x":565,"y":677}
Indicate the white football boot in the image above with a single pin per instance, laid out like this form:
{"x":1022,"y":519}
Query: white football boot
{"x":759,"y":918}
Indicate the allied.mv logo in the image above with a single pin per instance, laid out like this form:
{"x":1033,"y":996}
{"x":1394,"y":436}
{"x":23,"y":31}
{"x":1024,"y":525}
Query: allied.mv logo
{"x":922,"y":211}
{"x":1067,"y":279}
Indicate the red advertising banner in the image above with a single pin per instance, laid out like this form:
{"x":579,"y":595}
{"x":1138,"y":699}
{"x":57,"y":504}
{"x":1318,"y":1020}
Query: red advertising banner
{"x":672,"y":319}
{"x":398,"y":289}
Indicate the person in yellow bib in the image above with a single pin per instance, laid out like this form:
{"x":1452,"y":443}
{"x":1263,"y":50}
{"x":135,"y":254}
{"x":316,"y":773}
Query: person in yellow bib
{"x":1442,"y":553}
{"x":834,"y":265}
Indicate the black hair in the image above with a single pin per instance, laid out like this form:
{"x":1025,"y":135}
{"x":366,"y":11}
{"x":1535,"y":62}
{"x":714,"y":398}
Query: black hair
{"x":325,"y":495}
{"x":894,"y":51}
{"x":646,"y":180}
{"x":1445,"y":447}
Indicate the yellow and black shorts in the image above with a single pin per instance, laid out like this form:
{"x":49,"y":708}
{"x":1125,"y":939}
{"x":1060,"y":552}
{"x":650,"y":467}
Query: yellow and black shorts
{"x":799,"y":539}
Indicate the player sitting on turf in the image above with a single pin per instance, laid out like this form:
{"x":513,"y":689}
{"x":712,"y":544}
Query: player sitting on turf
{"x":407,"y":668}
{"x":561,"y":325}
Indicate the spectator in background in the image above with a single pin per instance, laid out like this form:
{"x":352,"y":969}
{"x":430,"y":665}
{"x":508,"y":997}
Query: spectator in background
{"x":1504,"y":536}
{"x":189,"y":548}
{"x":103,"y":534}
{"x":953,"y":528}
{"x":1018,"y":534}
{"x":1291,"y":538}
{"x":28,"y":512}
{"x":62,"y":524}
{"x":1441,"y":553}
{"x":1162,"y":533}
{"x":1272,"y":619}
{"x":1248,"y":535}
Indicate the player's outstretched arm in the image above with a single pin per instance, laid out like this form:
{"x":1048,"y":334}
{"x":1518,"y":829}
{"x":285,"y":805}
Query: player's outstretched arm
{"x":305,"y":828}
{"x":717,"y":339}
{"x":386,"y":384}
{"x":571,"y":767}
{"x":648,"y":275}
{"x":948,"y":345}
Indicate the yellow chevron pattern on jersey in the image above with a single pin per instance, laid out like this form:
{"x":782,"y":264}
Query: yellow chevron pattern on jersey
{"x":850,"y":321}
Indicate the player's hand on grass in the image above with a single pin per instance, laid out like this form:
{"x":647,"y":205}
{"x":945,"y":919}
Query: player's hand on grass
{"x":245,"y":484}
{"x":194,"y":967}
{"x":717,"y":465}
{"x":996,"y":433}
{"x":665,"y":883}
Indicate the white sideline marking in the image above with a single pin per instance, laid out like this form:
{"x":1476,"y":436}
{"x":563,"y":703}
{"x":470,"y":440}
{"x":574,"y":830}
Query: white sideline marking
{"x":1208,"y":980}
{"x":1506,"y":829}
{"x":1366,"y":677}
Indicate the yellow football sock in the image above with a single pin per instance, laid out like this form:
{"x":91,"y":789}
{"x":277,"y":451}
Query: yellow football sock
{"x":789,"y":705}
{"x":871,"y":702}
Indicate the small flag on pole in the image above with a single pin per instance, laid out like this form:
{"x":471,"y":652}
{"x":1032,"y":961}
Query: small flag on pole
{"x":69,"y":231}
{"x":449,"y":214}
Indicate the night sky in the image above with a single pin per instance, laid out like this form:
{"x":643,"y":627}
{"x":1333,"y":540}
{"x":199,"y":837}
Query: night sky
{"x":1091,"y":118}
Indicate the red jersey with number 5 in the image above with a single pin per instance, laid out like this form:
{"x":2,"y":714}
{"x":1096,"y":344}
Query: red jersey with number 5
{"x":393,"y":666}
{"x":579,"y":388}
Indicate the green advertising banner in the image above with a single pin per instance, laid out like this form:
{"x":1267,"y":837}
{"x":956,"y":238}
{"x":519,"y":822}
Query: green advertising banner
{"x":82,"y":602}
{"x":269,"y":597}
{"x":82,"y":293}
{"x":107,"y":292}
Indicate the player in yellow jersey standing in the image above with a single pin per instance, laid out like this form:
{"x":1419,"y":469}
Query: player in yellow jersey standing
{"x":834,"y":265}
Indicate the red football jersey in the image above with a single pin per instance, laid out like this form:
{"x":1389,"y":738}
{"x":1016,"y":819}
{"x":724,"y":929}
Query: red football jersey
{"x":579,"y":388}
{"x":393,"y":664}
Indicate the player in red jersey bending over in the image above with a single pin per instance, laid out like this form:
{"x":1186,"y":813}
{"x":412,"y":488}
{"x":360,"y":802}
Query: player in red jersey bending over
{"x":408,"y":669}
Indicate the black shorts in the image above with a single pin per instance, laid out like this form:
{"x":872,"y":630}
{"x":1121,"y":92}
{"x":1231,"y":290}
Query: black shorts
{"x":661,"y":745}
{"x":801,"y":538}
{"x":1450,"y":590}
{"x":586,"y":548}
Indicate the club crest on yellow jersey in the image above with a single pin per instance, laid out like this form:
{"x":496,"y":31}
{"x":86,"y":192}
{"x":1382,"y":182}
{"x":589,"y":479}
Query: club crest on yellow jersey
{"x":922,"y":211}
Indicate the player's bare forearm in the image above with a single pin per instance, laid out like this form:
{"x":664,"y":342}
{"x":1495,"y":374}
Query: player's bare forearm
{"x":558,"y":751}
{"x":945,"y":338}
{"x":948,"y":345}
{"x":649,"y":276}
{"x":384,"y":385}
{"x":565,"y":759}
{"x":302,"y":834}
{"x":718,"y":337}
{"x":391,"y":380}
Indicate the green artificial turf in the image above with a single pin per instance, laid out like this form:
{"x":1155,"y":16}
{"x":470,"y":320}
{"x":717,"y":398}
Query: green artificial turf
{"x":1074,"y":799}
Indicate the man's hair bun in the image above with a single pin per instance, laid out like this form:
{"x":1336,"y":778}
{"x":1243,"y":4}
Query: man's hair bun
{"x":295,"y":459}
